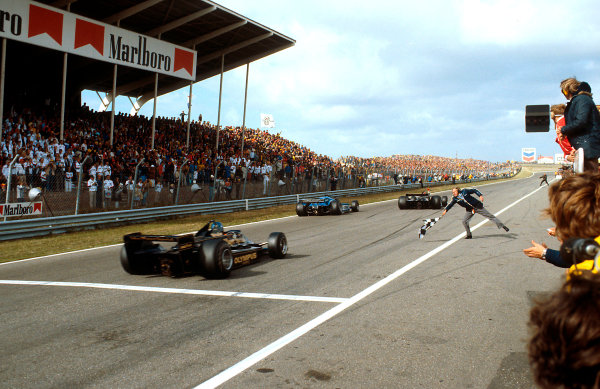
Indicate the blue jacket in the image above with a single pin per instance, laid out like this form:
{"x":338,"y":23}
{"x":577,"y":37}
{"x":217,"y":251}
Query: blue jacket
{"x":553,"y":257}
{"x":583,"y":125}
{"x":464,"y":199}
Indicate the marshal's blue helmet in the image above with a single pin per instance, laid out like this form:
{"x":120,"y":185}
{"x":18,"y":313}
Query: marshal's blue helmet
{"x":216,"y":228}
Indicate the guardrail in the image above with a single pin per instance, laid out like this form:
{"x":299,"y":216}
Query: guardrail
{"x":28,"y":228}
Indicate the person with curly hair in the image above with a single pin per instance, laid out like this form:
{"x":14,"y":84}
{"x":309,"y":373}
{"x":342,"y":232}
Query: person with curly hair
{"x":564,"y":349}
{"x":575,"y":210}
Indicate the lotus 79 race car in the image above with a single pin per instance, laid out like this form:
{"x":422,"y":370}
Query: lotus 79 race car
{"x":211,"y":252}
{"x":419,"y":201}
{"x":324,"y":206}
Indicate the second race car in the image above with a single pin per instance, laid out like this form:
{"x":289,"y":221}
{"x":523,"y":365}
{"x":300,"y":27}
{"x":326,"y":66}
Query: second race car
{"x":324,"y":205}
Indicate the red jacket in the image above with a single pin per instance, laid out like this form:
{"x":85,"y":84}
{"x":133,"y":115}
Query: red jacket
{"x":564,"y":144}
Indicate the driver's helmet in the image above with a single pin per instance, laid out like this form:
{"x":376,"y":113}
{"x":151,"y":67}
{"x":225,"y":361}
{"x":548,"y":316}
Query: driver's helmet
{"x":216,"y":228}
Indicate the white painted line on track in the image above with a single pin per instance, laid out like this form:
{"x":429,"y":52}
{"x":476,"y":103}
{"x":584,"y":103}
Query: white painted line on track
{"x":269,"y":296}
{"x":239,"y":367}
{"x":59,"y":254}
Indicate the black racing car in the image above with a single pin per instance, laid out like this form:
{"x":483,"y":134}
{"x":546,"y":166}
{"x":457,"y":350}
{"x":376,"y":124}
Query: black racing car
{"x":324,"y":205}
{"x":211,"y":252}
{"x":424,"y":200}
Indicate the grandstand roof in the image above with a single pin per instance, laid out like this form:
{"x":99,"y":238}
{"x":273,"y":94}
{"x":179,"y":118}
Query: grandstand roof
{"x":208,"y":27}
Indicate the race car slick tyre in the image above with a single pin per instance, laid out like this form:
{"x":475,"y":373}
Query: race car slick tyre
{"x":277,"y":244}
{"x":402,"y":202}
{"x":436,"y":202}
{"x":354,"y":205}
{"x":301,"y":209}
{"x":336,"y":208}
{"x":217,"y":258}
{"x":133,"y":257}
{"x":444,"y":201}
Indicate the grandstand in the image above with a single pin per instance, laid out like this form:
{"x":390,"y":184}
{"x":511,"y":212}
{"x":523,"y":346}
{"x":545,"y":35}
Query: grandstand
{"x":86,"y":161}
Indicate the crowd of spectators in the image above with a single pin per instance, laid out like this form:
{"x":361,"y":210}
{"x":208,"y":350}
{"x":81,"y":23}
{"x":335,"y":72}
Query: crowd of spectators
{"x":43,"y":160}
{"x":430,"y":167}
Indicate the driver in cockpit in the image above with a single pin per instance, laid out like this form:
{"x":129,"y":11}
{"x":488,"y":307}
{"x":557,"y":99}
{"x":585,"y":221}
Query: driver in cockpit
{"x":231,"y":237}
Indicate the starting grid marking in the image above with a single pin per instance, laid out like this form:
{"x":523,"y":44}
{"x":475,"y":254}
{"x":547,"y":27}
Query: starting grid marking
{"x":177,"y":291}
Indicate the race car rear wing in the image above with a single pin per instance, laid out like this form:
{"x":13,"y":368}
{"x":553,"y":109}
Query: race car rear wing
{"x":312,"y":200}
{"x":137,"y":236}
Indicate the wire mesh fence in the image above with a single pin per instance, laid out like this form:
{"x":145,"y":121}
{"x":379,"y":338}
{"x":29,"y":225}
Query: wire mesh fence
{"x":93,"y":185}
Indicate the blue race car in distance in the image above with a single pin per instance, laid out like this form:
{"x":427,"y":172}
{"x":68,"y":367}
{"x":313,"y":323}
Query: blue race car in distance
{"x":324,"y":206}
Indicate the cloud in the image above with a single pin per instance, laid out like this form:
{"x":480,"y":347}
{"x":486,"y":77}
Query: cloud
{"x":437,"y":77}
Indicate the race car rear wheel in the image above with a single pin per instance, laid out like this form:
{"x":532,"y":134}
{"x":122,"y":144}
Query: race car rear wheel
{"x":336,"y":207}
{"x":217,"y":258}
{"x":277,"y":244}
{"x":436,"y":202}
{"x":354,"y":205}
{"x":402,"y":202}
{"x":301,"y":209}
{"x":444,"y":201}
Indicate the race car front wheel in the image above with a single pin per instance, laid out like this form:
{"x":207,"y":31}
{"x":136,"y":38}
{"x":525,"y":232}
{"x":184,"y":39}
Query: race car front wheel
{"x":217,"y":258}
{"x":436,"y":202}
{"x":277,"y":244}
{"x":336,"y":207}
{"x":354,"y":205}
{"x":444,"y":201}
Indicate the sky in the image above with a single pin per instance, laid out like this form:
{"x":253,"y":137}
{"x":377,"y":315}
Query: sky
{"x":377,"y":78}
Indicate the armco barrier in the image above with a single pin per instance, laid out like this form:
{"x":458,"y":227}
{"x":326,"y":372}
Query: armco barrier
{"x":27,"y":228}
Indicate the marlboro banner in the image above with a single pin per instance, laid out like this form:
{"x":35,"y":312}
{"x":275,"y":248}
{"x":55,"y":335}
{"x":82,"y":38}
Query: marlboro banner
{"x":42,"y":25}
{"x":20,"y":209}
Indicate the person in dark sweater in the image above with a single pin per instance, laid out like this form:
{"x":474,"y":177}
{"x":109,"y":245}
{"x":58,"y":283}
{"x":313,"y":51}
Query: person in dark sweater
{"x":472,"y":205}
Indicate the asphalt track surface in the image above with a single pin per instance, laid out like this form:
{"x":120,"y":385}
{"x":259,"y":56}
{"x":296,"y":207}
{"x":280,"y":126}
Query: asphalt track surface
{"x":359,"y":302}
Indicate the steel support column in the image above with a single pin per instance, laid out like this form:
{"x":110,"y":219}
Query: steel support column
{"x":63,"y":97}
{"x":114,"y":100}
{"x":154,"y":110}
{"x":244,"y":128}
{"x":2,"y":80}
{"x":187,"y":139}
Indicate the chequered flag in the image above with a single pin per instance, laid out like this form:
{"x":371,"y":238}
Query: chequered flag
{"x":427,"y":224}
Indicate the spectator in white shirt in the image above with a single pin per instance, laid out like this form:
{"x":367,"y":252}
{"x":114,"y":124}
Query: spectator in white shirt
{"x":92,"y":188}
{"x":108,"y":187}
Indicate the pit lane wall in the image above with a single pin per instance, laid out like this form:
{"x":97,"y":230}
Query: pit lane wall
{"x":17,"y":229}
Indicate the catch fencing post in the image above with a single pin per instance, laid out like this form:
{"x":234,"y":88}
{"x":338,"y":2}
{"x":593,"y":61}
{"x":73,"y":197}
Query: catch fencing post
{"x":135,"y":182}
{"x":179,"y":181}
{"x":80,"y":173}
